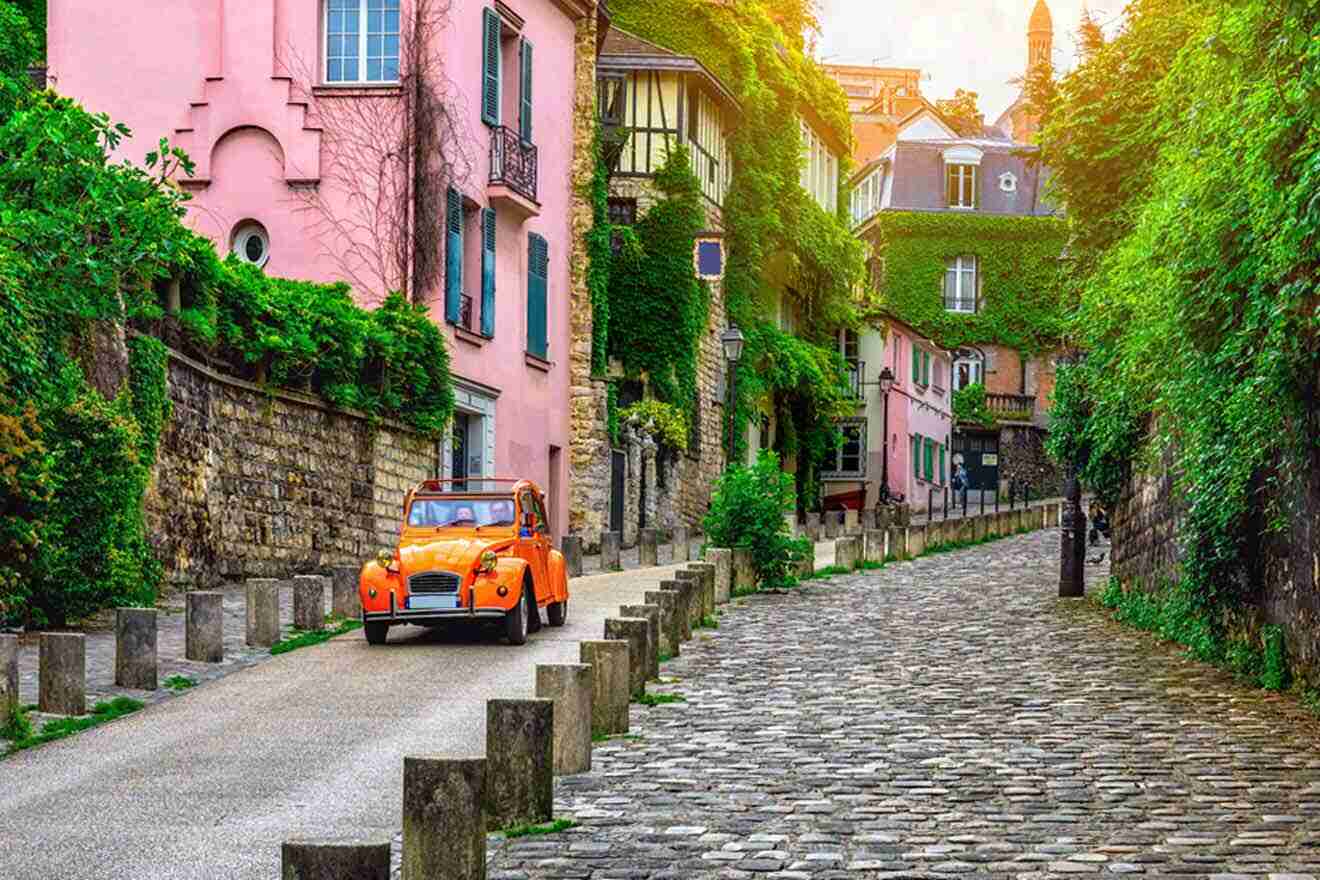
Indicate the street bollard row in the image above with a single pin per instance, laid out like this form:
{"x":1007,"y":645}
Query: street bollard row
{"x":450,"y":804}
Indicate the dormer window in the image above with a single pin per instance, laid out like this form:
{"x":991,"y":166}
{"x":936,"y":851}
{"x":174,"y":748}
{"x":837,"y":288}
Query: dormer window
{"x":1008,"y":182}
{"x":961,"y":185}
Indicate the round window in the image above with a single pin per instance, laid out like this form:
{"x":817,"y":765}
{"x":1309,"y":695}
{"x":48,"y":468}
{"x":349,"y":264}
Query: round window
{"x":251,"y":244}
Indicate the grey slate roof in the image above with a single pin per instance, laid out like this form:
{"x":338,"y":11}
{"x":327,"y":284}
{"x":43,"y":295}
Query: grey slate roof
{"x":918,"y":176}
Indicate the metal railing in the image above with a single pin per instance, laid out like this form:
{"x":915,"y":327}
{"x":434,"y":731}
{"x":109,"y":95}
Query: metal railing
{"x":465,"y":312}
{"x":1012,"y":407}
{"x":513,"y":161}
{"x":857,"y":379}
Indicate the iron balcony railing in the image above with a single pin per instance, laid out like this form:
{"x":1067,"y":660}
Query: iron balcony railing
{"x":513,"y":162}
{"x":857,"y":379}
{"x":1012,"y":407}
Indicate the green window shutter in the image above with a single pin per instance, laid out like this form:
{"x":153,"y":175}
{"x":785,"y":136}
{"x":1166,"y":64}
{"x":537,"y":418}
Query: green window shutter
{"x":930,"y":460}
{"x":453,"y":255}
{"x":538,"y":271}
{"x":916,"y":365}
{"x":941,"y":473}
{"x":490,"y":67}
{"x":525,"y":104}
{"x":916,"y":456}
{"x":925,"y":368}
{"x":488,"y":272}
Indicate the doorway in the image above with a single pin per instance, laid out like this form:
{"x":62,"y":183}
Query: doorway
{"x":458,"y":459}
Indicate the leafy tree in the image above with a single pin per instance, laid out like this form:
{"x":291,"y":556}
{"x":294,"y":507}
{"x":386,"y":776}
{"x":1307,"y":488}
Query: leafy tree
{"x":747,"y":512}
{"x":961,"y":113}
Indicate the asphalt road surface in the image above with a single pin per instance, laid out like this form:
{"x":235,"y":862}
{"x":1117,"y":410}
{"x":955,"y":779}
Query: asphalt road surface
{"x":207,"y":785}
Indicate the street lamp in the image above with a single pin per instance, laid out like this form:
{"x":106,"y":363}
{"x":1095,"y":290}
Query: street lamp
{"x":732,"y":340}
{"x":886,"y":383}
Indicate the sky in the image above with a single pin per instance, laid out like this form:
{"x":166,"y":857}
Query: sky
{"x":970,"y":44}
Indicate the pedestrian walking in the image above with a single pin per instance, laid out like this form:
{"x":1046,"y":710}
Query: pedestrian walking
{"x":960,"y":484}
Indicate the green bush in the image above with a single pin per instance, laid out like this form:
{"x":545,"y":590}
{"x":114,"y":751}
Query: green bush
{"x":969,"y":406}
{"x":747,"y":512}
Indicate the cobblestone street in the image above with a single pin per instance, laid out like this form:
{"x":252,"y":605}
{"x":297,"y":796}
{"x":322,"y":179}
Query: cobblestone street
{"x":946,"y":716}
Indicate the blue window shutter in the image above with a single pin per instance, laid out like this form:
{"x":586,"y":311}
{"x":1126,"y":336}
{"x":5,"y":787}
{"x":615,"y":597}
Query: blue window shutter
{"x":538,"y":272}
{"x":488,"y":272}
{"x":453,"y":256}
{"x":525,"y":112}
{"x":490,"y":67}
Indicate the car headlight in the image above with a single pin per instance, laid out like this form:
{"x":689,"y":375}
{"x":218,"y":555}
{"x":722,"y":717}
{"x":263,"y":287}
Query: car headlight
{"x":384,"y":559}
{"x":487,"y":562}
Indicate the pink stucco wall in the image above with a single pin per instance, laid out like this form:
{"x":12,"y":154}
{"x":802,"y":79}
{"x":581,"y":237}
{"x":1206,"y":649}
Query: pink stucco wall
{"x":914,"y":409}
{"x":230,"y":83}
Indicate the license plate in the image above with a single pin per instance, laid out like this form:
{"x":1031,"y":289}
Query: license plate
{"x":447,"y":603}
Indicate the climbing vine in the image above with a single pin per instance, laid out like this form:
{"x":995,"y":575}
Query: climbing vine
{"x":778,"y":240}
{"x":1020,"y":302}
{"x":599,"y":259}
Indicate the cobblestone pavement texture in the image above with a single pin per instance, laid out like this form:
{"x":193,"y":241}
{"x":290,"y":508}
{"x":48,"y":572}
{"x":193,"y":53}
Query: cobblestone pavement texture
{"x":947,"y":716}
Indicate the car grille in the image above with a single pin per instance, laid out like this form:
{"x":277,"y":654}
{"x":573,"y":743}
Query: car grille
{"x":434,"y":582}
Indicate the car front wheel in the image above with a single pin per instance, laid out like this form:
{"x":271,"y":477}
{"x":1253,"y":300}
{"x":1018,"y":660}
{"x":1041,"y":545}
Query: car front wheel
{"x":557,"y":612}
{"x":376,"y":632}
{"x":515,"y":622}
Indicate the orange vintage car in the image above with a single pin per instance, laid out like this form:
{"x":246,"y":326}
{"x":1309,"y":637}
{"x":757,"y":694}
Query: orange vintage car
{"x":468,"y":556}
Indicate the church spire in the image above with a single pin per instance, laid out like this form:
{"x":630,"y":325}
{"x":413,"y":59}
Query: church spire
{"x":1040,"y":36}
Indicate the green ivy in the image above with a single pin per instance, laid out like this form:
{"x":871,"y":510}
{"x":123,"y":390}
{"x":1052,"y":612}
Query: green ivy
{"x":664,"y":421}
{"x":969,"y":406}
{"x":599,"y":260}
{"x":747,"y":512}
{"x":1018,"y":261}
{"x":612,"y":411}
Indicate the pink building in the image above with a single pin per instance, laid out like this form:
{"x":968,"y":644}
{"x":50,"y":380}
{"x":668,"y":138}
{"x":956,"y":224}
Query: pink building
{"x":425,"y":147}
{"x":920,"y":419}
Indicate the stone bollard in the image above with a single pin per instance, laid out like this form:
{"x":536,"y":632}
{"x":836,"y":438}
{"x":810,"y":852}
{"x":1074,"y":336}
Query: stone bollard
{"x":609,"y":551}
{"x":696,"y":602}
{"x":309,"y":602}
{"x":135,"y":648}
{"x":351,"y":858}
{"x":917,"y":536}
{"x":851,"y":522}
{"x":345,"y":600}
{"x":263,"y":611}
{"x":8,"y":678}
{"x":610,"y":685}
{"x":682,"y":544}
{"x":632,"y":630}
{"x":684,"y":591}
{"x":833,"y":524}
{"x":648,"y":548}
{"x":812,"y":529}
{"x":671,"y":629}
{"x":935,"y":534}
{"x":204,"y":627}
{"x":744,"y":574}
{"x":706,"y":573}
{"x":847,"y":552}
{"x":722,"y":559}
{"x":875,"y":544}
{"x":980,"y":528}
{"x":62,"y":675}
{"x":868,"y":519}
{"x":571,"y":547}
{"x":520,"y":764}
{"x":898,"y":544}
{"x":651,"y":614}
{"x":444,"y":825}
{"x":568,"y":686}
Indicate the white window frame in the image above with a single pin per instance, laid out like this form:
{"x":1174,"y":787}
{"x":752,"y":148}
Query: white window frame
{"x":362,"y":79}
{"x":963,"y":170}
{"x":958,"y":267}
{"x":245,"y":231}
{"x":837,"y":465}
{"x":974,"y":360}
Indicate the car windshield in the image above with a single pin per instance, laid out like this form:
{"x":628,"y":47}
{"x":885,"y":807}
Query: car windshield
{"x":461,"y":512}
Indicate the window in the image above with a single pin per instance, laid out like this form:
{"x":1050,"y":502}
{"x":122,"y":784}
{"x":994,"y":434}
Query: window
{"x":251,"y":244}
{"x":623,"y":212}
{"x":1008,"y":182}
{"x":361,"y":41}
{"x":968,"y":369}
{"x":850,"y":456}
{"x":538,"y":272}
{"x":611,"y":94}
{"x":820,"y":169}
{"x":961,"y":185}
{"x":939,"y":374}
{"x":849,"y":346}
{"x":960,"y":284}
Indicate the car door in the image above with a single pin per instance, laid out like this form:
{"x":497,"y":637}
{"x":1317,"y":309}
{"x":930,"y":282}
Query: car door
{"x":533,"y":543}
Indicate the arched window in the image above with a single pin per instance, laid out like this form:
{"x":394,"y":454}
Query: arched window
{"x":968,"y":368}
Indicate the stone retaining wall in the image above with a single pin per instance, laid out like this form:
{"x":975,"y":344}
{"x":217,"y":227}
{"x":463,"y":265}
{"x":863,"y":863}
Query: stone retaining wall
{"x":250,"y":482}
